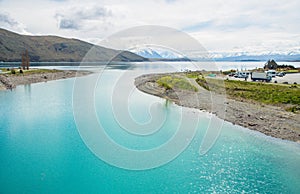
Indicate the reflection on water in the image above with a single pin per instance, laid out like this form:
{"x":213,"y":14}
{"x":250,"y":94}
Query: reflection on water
{"x":167,"y":103}
{"x":27,"y":88}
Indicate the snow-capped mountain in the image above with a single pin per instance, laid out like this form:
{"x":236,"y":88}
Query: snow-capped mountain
{"x":169,"y":55}
{"x":156,"y":53}
{"x":147,"y":53}
{"x":263,"y":56}
{"x":251,"y":56}
{"x":165,"y":54}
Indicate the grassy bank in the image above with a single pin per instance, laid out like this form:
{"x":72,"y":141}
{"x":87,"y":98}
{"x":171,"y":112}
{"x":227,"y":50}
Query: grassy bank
{"x":292,"y":71}
{"x":173,"y":82}
{"x":18,"y":72}
{"x":287,"y":96}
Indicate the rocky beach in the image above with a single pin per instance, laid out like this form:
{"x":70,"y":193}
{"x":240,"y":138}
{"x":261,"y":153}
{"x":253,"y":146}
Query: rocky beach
{"x":268,"y":119}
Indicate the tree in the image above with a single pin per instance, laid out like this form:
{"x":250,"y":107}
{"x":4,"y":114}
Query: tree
{"x":271,"y":64}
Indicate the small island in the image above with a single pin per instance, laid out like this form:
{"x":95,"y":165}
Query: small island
{"x":270,"y":108}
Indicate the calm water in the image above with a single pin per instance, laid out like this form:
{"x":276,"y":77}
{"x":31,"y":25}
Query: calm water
{"x":219,"y":65}
{"x":41,"y":150}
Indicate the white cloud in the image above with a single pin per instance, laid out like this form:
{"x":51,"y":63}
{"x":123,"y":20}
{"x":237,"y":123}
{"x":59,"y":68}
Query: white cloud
{"x":7,"y":20}
{"x":76,"y":17}
{"x":10,"y":23}
{"x":218,"y":25}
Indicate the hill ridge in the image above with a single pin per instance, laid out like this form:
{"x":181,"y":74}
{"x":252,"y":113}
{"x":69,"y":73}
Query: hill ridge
{"x":52,"y":48}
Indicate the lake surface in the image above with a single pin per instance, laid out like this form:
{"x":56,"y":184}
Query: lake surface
{"x":43,"y":145}
{"x":208,"y":65}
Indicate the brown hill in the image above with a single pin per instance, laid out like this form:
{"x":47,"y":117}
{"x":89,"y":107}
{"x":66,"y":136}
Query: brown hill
{"x":55,"y":49}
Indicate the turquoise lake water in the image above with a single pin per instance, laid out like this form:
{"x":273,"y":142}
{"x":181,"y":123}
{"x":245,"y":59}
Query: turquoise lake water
{"x":42,"y":150}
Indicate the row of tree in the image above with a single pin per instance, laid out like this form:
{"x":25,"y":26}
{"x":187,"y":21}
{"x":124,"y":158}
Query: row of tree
{"x":271,"y":64}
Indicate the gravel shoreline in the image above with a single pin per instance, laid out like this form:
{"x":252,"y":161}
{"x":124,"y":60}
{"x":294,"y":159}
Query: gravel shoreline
{"x":11,"y":81}
{"x":270,"y":120}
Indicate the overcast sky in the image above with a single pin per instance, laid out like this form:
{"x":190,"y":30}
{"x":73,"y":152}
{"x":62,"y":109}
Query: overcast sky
{"x":220,"y":26}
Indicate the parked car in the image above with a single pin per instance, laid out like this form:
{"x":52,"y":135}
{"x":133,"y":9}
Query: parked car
{"x":271,"y":73}
{"x":231,"y":74}
{"x":280,"y":74}
{"x":242,"y":74}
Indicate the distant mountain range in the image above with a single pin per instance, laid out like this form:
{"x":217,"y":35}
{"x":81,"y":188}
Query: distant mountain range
{"x":56,"y":49}
{"x":156,"y":53}
{"x":289,"y":56}
{"x":261,"y":58}
{"x":161,"y":54}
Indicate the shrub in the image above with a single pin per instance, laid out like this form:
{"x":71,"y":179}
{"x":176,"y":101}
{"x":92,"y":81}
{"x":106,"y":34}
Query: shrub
{"x":293,"y":109}
{"x":171,"y":82}
{"x":202,"y":82}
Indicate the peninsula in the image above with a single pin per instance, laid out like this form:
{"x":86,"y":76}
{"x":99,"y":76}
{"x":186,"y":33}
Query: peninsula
{"x":279,"y":120}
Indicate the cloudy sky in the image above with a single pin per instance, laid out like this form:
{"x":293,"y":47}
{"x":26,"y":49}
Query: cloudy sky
{"x":220,"y":26}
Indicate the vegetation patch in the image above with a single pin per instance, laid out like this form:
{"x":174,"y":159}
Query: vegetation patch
{"x":292,"y":71}
{"x":261,"y":92}
{"x":18,"y":72}
{"x":203,"y":83}
{"x":294,"y":109}
{"x":4,"y":70}
{"x":173,"y":82}
{"x":193,"y":74}
{"x":40,"y":71}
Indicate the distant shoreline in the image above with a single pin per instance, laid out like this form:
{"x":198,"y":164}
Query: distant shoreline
{"x":149,"y":60}
{"x":10,"y":81}
{"x":270,"y":120}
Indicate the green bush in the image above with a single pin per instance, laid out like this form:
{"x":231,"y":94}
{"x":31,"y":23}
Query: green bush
{"x":202,"y":82}
{"x":171,"y":82}
{"x":193,"y":74}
